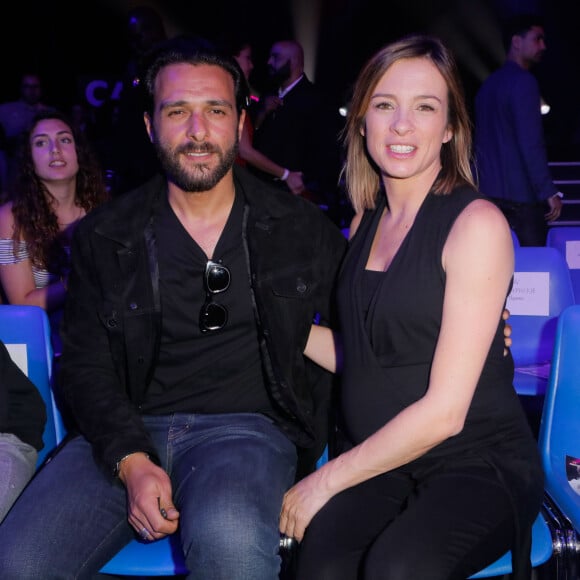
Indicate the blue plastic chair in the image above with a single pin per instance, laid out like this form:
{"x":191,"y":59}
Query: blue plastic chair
{"x":160,"y":558}
{"x":559,"y":435}
{"x":542,"y":551}
{"x":559,"y":441}
{"x":566,"y":239}
{"x":533,"y":334}
{"x":29,"y":327}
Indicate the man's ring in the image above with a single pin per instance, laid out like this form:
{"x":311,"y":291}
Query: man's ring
{"x":144,"y":533}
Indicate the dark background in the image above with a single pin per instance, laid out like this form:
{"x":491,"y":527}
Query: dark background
{"x":69,"y":42}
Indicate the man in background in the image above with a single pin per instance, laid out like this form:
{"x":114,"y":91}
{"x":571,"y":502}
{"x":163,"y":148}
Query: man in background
{"x":511,"y":160}
{"x":145,"y":29}
{"x":294,"y":125}
{"x":15,"y":116}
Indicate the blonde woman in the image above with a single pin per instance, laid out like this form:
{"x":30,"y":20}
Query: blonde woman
{"x":441,"y":474}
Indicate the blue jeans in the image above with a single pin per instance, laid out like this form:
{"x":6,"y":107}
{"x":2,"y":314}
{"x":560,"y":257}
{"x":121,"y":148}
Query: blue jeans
{"x":229,"y":473}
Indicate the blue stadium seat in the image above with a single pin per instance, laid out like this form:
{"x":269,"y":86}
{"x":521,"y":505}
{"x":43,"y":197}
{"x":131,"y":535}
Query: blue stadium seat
{"x":542,"y":551}
{"x":566,"y":239}
{"x":559,"y":436}
{"x":542,"y":289}
{"x":160,"y":558}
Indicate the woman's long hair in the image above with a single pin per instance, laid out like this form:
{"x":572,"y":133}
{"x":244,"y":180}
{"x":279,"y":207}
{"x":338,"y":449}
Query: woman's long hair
{"x":35,"y":220}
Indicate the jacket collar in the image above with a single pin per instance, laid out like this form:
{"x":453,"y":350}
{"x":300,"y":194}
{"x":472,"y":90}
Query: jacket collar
{"x":124,"y":219}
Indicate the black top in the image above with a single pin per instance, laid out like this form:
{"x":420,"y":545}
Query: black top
{"x":212,"y":372}
{"x":22,"y":409}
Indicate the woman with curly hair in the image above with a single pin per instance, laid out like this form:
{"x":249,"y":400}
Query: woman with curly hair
{"x":59,"y":181}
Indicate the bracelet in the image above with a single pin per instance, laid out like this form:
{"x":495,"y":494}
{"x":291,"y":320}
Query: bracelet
{"x":285,"y":175}
{"x":118,"y":464}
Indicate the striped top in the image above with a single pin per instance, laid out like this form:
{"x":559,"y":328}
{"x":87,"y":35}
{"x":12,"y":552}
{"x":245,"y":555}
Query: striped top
{"x":41,"y":276}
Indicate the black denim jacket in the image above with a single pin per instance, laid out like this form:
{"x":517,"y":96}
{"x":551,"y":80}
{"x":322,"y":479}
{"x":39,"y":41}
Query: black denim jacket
{"x":112,"y":322}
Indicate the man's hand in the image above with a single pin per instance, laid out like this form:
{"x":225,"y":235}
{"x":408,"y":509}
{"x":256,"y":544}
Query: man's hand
{"x":555,"y":204}
{"x":149,"y":496}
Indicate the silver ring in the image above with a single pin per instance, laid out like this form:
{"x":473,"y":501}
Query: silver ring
{"x":287,"y":543}
{"x":144,"y":533}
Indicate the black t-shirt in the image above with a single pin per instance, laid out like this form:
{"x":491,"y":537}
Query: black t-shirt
{"x":214,"y":372}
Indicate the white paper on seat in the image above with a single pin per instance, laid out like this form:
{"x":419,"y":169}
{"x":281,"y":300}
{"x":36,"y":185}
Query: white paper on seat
{"x":573,"y":254}
{"x":19,"y":355}
{"x":530,"y":295}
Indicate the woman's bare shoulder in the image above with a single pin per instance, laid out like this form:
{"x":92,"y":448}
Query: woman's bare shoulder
{"x":6,"y":220}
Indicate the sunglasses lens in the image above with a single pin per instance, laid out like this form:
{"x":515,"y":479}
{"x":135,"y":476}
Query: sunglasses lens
{"x":217,"y":277}
{"x":213,"y":317}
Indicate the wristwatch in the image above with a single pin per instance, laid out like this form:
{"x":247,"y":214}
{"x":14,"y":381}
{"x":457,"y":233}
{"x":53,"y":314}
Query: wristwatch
{"x":559,"y":194}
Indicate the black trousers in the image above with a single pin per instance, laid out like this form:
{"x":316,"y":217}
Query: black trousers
{"x":527,"y":220}
{"x":447,"y":525}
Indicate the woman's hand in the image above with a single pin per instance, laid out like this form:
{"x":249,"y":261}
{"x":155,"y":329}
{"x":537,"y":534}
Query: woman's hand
{"x":295,"y":182}
{"x":301,"y":503}
{"x":507,"y":332}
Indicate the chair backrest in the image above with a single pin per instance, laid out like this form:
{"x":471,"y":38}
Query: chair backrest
{"x":26,"y":332}
{"x":542,"y":289}
{"x":515,"y":238}
{"x":559,"y":435}
{"x":566,"y":239}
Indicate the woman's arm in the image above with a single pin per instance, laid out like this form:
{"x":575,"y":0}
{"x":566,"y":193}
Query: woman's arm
{"x":16,"y":277}
{"x":323,"y":347}
{"x":478,"y":261}
{"x":18,"y":284}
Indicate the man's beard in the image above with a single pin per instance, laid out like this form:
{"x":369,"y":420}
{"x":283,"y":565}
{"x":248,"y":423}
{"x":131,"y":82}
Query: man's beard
{"x":199,"y":177}
{"x":279,"y":75}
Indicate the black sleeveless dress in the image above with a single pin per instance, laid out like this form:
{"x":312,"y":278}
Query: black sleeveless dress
{"x":390,"y":323}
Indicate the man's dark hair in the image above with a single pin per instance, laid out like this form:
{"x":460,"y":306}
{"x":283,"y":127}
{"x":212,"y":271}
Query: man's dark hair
{"x":193,"y":50}
{"x":519,"y":25}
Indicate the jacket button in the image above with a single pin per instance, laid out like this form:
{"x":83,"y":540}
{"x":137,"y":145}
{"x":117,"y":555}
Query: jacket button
{"x":133,"y":306}
{"x":112,"y":322}
{"x":301,"y":287}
